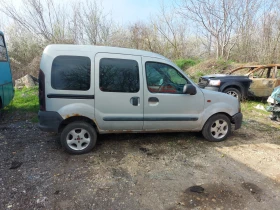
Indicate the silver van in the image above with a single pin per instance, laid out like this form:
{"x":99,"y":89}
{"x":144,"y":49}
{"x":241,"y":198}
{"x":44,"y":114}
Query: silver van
{"x":85,"y":90}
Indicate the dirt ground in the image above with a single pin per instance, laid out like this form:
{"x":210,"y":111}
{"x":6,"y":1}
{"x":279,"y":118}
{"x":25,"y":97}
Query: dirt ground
{"x":141,"y":171}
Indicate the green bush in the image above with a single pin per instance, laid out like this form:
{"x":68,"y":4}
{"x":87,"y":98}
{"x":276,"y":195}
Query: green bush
{"x":198,"y":74}
{"x":186,"y":63}
{"x":223,"y":64}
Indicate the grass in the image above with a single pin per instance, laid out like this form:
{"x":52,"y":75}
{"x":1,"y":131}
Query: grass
{"x":256,"y":118}
{"x":249,"y":109}
{"x":25,"y":102}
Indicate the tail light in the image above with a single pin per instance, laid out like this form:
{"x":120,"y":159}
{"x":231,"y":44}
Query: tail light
{"x":42,"y":99}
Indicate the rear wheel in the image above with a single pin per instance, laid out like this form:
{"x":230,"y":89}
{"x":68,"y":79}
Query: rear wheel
{"x":78,"y":137}
{"x":217,"y":128}
{"x":233,"y":92}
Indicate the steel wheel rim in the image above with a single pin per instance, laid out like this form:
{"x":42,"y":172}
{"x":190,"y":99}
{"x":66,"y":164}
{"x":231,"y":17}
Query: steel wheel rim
{"x":219,"y":129}
{"x":232,"y":93}
{"x":78,"y":139}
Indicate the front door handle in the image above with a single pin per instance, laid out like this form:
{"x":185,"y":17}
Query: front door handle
{"x":153,"y":100}
{"x":135,"y":101}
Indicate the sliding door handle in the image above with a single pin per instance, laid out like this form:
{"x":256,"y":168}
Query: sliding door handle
{"x":135,"y":101}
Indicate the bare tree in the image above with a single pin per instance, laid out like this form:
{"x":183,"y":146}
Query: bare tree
{"x":270,"y":33}
{"x":221,"y":19}
{"x":119,"y":37}
{"x":96,"y":25}
{"x":2,"y":23}
{"x":25,"y":50}
{"x":51,"y":20}
{"x":142,"y":36}
{"x":171,"y":30}
{"x":45,"y":18}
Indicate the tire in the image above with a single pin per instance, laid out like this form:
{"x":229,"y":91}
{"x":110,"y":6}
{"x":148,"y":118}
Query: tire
{"x":217,"y":128}
{"x":233,"y":92}
{"x":78,"y":137}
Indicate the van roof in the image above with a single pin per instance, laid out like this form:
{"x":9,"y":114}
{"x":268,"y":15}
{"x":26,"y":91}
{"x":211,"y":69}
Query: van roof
{"x":101,"y":49}
{"x":1,"y":33}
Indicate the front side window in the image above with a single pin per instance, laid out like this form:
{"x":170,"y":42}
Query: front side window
{"x":118,"y":75}
{"x":162,"y":78}
{"x":71,"y":73}
{"x":3,"y":52}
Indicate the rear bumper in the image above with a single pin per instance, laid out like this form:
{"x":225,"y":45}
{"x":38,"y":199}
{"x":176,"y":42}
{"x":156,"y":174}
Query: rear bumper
{"x":237,"y":120}
{"x":49,"y":121}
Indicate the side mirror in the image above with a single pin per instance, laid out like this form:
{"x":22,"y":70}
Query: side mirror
{"x":189,"y":89}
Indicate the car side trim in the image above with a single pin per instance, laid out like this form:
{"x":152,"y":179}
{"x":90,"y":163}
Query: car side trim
{"x":70,"y":96}
{"x":150,"y":118}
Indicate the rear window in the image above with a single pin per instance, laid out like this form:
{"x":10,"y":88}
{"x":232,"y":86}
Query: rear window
{"x":71,"y":73}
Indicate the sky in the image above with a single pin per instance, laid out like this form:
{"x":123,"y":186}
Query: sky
{"x":128,"y":11}
{"x":125,"y":11}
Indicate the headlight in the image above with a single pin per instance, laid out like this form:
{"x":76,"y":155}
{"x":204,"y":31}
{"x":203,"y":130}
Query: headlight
{"x":215,"y":82}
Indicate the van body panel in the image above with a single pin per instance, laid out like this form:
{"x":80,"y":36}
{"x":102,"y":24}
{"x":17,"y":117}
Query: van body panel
{"x":218,"y":103}
{"x":77,"y":109}
{"x":7,"y":91}
{"x":223,"y":102}
{"x":60,"y":49}
{"x":64,"y":101}
{"x":114,"y":110}
{"x":6,"y":83}
{"x":172,"y":111}
{"x":135,"y":107}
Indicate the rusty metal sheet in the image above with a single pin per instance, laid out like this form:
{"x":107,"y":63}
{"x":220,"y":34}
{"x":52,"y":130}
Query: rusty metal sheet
{"x":254,"y":68}
{"x":246,"y":67}
{"x":266,"y":78}
{"x":263,"y":87}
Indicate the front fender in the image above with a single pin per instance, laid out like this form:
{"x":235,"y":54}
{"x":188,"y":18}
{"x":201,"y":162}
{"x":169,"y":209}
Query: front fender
{"x":218,"y":107}
{"x":226,"y":85}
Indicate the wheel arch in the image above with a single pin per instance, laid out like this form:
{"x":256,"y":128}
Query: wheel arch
{"x":235,"y":85}
{"x":224,"y":113}
{"x":229,"y":109}
{"x":69,"y":120}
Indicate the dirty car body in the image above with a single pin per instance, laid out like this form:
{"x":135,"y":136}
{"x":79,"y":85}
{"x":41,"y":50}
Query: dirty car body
{"x":264,"y":78}
{"x":85,"y":90}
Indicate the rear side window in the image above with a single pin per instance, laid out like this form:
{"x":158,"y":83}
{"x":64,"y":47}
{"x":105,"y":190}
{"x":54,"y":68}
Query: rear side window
{"x":3,"y":52}
{"x":71,"y":73}
{"x":118,"y":75}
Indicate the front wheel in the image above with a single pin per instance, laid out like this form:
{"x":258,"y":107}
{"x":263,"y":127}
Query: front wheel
{"x":78,"y":137}
{"x":217,"y":128}
{"x":233,"y":92}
